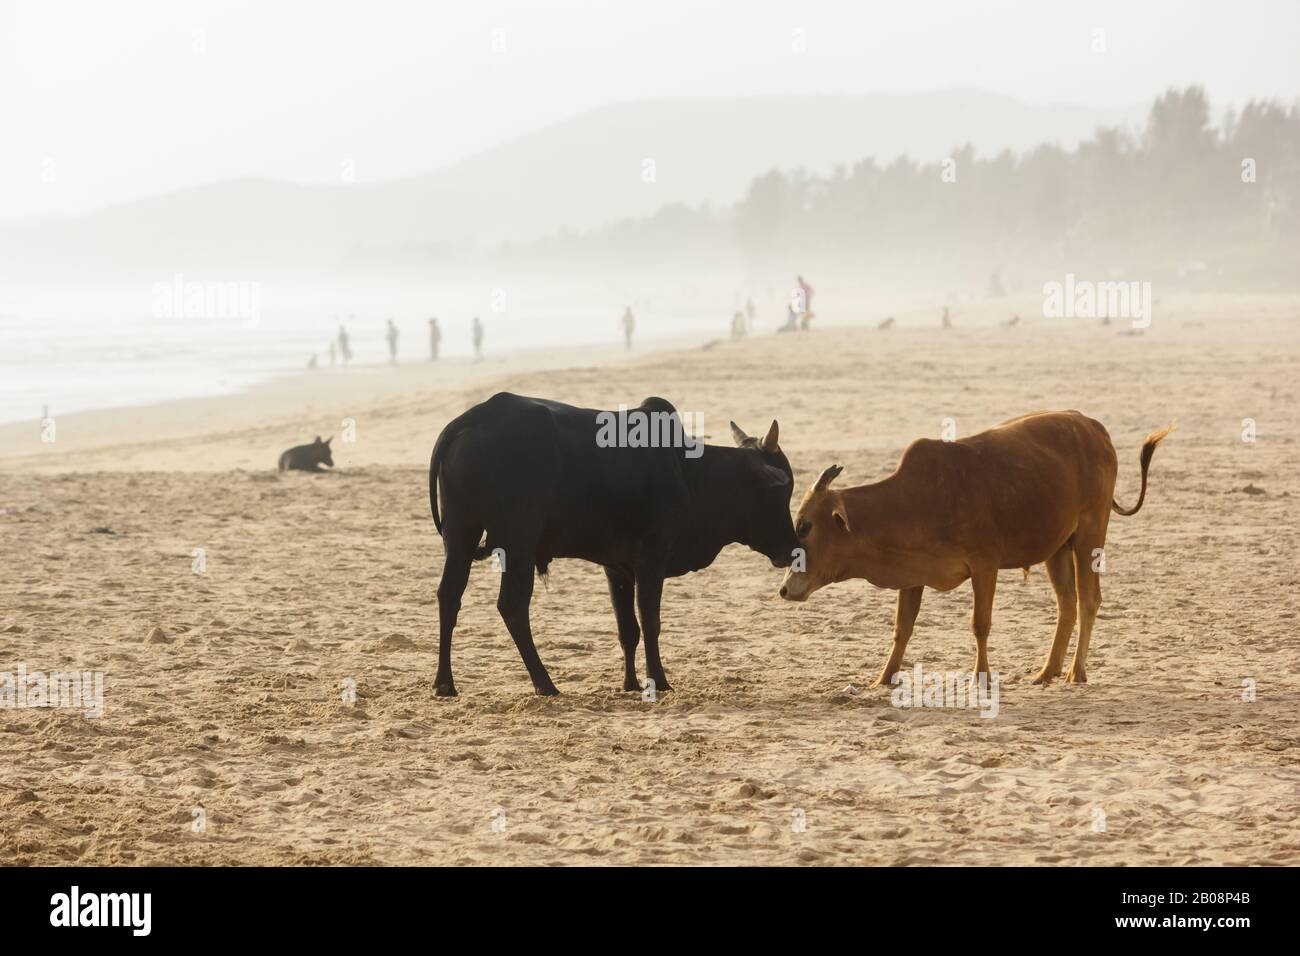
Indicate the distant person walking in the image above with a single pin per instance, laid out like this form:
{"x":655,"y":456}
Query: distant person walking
{"x":750,"y":313}
{"x":805,"y":296}
{"x":345,"y":349}
{"x":478,"y":339}
{"x":629,"y":326}
{"x":947,"y":320}
{"x":435,"y":339}
{"x":391,"y":335}
{"x":738,"y":325}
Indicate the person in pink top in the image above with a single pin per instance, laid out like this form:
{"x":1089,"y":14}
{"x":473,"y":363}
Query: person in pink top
{"x":806,"y":294}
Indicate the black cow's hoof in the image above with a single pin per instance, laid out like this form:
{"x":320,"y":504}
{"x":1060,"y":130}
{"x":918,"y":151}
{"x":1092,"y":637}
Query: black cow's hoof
{"x":444,"y":690}
{"x":547,"y":691}
{"x":631,"y":683}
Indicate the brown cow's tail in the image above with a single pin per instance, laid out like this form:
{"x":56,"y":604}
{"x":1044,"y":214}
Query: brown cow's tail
{"x":1148,"y":450}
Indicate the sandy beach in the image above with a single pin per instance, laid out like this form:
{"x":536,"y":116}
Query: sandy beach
{"x":232,"y":609}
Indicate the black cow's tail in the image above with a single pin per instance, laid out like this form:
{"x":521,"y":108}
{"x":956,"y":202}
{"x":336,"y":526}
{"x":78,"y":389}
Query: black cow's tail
{"x":1148,"y":449}
{"x":448,"y":435}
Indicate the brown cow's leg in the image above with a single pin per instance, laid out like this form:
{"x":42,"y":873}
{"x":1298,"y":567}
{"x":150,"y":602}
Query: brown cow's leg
{"x":983,"y":583}
{"x":1060,"y":571}
{"x":622,"y":594}
{"x":909,"y":603}
{"x":513,"y":601}
{"x":1089,"y":585}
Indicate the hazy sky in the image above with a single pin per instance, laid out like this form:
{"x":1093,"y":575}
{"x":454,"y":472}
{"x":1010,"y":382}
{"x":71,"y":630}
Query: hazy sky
{"x":102,"y":102}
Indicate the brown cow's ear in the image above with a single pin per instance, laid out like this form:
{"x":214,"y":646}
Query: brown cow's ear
{"x":841,"y":518}
{"x":769,"y":443}
{"x":738,"y":436}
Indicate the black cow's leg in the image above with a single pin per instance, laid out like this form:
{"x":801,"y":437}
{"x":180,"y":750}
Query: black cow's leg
{"x":515,"y":597}
{"x":622,"y":594}
{"x":455,"y":575}
{"x":649,"y":590}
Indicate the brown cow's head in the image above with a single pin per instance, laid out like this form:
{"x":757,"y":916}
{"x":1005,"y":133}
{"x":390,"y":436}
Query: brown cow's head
{"x":822,"y":527}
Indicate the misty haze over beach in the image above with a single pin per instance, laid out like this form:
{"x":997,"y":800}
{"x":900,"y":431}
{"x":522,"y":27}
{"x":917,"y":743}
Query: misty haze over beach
{"x":783,"y":152}
{"x":449,"y":242}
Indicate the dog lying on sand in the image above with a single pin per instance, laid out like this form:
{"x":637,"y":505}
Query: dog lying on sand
{"x":308,"y":457}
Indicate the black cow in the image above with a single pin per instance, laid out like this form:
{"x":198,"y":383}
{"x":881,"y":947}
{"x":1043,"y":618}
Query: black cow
{"x":308,"y":457}
{"x":536,"y":476}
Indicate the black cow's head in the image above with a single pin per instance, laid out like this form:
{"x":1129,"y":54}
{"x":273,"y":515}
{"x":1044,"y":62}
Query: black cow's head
{"x":764,"y":495}
{"x":321,"y":451}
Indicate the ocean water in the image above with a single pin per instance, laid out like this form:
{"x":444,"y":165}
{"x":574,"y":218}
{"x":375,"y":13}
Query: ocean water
{"x":68,"y":352}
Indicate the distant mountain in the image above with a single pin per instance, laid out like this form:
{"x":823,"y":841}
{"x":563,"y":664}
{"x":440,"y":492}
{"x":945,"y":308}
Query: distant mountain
{"x":619,"y":161}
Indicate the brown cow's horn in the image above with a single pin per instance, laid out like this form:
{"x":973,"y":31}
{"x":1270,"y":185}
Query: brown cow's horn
{"x":769,"y":443}
{"x":737,"y":435}
{"x":829,"y":475}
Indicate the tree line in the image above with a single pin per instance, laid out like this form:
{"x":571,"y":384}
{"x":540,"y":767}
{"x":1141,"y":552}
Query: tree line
{"x":1181,"y":199}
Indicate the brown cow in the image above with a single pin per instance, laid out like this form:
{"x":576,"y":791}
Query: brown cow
{"x":1034,"y":489}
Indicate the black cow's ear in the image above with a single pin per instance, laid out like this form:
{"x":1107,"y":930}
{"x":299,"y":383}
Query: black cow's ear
{"x":769,"y":442}
{"x":738,"y":436}
{"x":330,"y":439}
